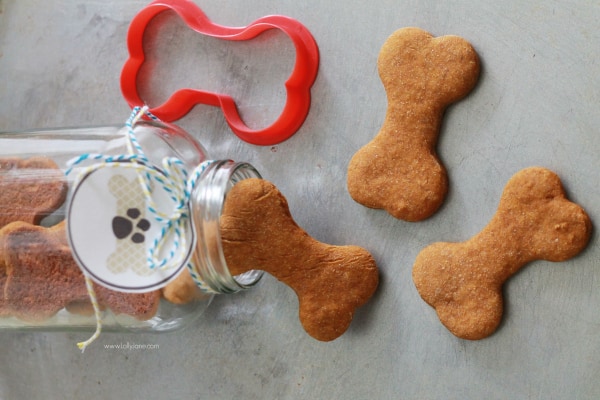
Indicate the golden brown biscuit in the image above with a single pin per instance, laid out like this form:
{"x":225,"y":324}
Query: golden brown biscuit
{"x":463,"y":281}
{"x":30,"y":189}
{"x":399,"y":170}
{"x":183,"y":290}
{"x":258,"y":233}
{"x":42,"y":277}
{"x":142,"y":306}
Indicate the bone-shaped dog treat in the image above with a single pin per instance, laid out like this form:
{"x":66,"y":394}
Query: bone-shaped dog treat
{"x":41,"y":277}
{"x":183,"y":290}
{"x":399,"y":170}
{"x":258,"y":232}
{"x":463,"y":281}
{"x":30,"y":189}
{"x":34,"y":260}
{"x":142,"y":306}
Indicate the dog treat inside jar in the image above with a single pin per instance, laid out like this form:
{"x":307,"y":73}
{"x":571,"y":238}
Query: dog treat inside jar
{"x":135,"y":228}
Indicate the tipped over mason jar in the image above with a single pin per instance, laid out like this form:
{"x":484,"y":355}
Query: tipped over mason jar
{"x":77,"y":203}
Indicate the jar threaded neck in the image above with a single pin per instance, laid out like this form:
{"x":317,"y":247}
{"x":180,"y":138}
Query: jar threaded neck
{"x":206,"y":205}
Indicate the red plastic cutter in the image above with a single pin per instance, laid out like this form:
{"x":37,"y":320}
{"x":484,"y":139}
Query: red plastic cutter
{"x":182,"y":101}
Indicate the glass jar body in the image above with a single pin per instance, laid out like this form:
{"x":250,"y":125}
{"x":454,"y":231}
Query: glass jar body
{"x":26,"y":260}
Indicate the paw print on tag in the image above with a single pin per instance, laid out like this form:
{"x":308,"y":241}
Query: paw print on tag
{"x":129,"y":226}
{"x":123,"y":226}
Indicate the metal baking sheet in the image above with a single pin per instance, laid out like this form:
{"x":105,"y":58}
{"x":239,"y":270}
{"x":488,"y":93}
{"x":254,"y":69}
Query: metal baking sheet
{"x":536,"y":103}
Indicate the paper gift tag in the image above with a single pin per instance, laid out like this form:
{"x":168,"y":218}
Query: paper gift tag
{"x":111,"y":229}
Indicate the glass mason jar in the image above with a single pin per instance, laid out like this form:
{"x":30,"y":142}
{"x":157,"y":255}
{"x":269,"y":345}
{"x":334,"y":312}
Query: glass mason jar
{"x":159,"y":140}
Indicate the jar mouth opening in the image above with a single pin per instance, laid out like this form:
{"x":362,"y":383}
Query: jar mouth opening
{"x":206,"y":206}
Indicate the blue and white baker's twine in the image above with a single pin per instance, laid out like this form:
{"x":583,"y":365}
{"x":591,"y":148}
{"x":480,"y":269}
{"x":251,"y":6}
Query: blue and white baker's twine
{"x":174,"y":180}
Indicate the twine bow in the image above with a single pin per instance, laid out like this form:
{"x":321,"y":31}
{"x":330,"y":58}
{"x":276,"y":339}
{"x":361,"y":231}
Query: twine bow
{"x":172,"y":177}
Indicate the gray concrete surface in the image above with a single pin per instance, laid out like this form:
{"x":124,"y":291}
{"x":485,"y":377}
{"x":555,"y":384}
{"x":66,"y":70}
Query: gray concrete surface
{"x":537,"y":103}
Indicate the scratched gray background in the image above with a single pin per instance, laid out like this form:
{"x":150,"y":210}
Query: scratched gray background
{"x":537,"y":103}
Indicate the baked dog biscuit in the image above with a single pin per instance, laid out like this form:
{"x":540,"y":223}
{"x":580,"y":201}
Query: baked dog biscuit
{"x":258,"y":233}
{"x":42,"y":277}
{"x":399,"y":170}
{"x":534,"y":221}
{"x":183,"y":289}
{"x":30,"y":189}
{"x":142,"y":306}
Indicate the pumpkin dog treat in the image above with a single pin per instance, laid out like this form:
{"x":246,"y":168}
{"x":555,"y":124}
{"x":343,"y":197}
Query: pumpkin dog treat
{"x":40,"y":280}
{"x":42,"y":277}
{"x":258,"y":233}
{"x":30,"y":189}
{"x":463,"y":281}
{"x":399,"y":170}
{"x":183,"y":289}
{"x":142,"y":306}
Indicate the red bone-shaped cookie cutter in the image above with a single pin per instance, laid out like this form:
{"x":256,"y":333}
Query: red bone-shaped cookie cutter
{"x":182,"y":101}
